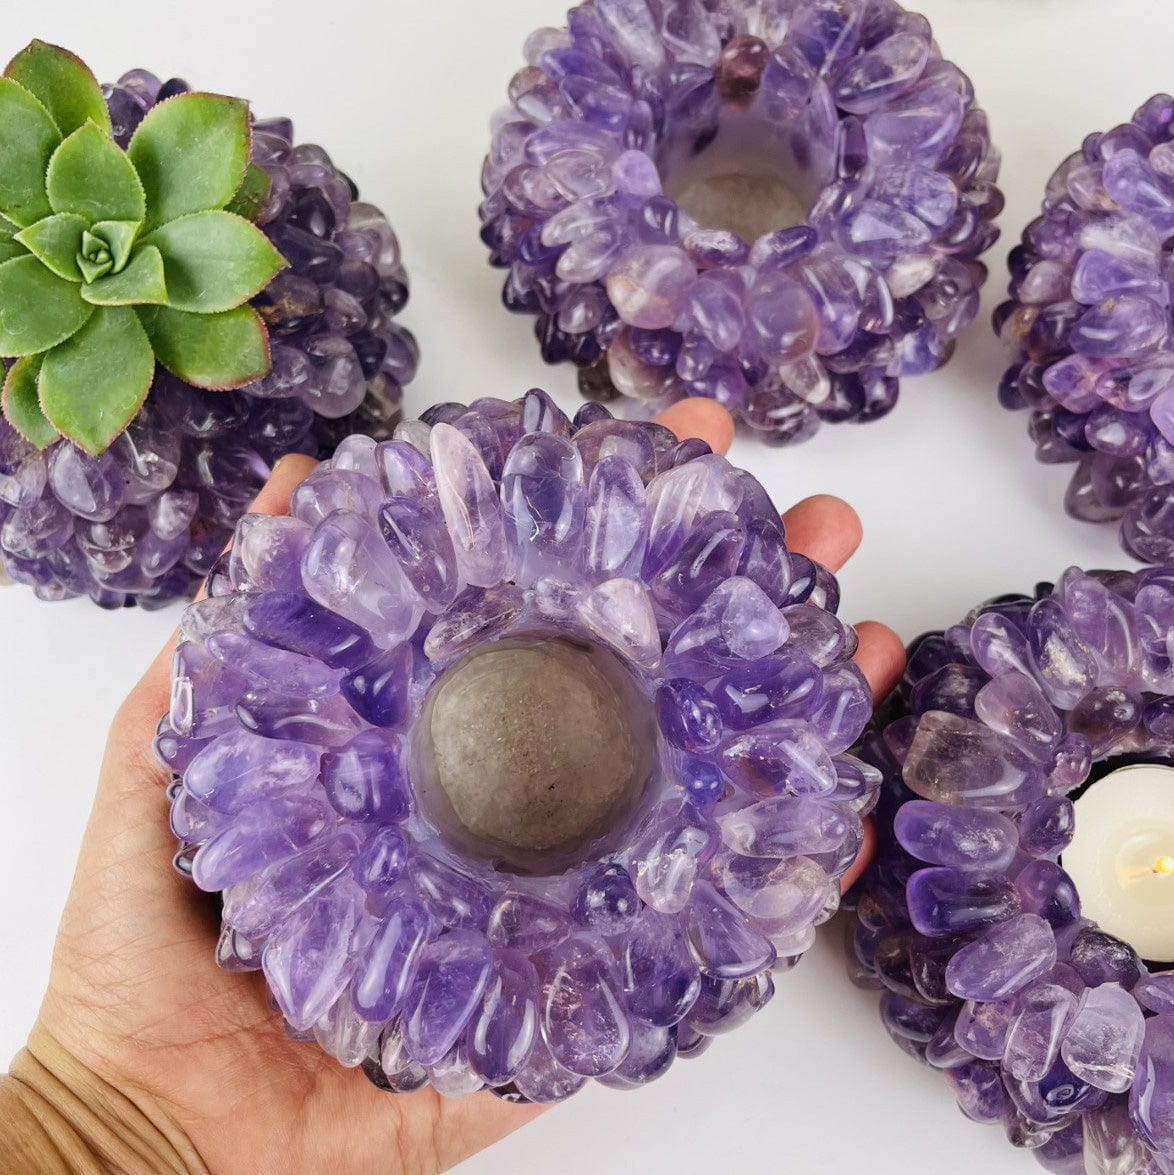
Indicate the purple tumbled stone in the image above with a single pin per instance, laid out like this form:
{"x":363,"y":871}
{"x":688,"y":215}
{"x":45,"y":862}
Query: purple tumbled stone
{"x":451,"y":975}
{"x":1004,"y":960}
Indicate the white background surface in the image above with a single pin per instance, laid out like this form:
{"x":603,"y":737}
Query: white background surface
{"x":955,"y":509}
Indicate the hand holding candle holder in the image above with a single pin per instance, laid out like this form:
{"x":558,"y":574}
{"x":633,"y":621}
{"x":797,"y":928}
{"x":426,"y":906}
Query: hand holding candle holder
{"x":1020,"y":912}
{"x":518,"y":752}
{"x":185,"y":296}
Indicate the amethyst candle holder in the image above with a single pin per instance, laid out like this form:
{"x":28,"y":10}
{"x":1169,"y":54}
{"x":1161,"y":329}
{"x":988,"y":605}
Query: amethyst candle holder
{"x":777,"y":204}
{"x":1089,"y":322}
{"x":969,"y":920}
{"x":518,"y":751}
{"x":140,"y":516}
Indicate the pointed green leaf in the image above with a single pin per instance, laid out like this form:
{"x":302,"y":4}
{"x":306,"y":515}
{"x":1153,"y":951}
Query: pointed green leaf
{"x":141,"y":282}
{"x":252,"y":194}
{"x":214,"y":351}
{"x":38,"y":309}
{"x":191,"y":152}
{"x":56,"y":242}
{"x":30,"y":138}
{"x":21,"y":405}
{"x":93,"y":385}
{"x":63,"y":84}
{"x":9,"y":246}
{"x":119,"y":236}
{"x":90,"y":175}
{"x":214,"y":261}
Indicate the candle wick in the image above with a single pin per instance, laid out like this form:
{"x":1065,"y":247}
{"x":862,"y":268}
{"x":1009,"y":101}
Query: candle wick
{"x":1164,"y":866}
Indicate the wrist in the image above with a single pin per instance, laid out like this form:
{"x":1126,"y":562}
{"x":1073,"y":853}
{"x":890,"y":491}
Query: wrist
{"x":60,"y":1116}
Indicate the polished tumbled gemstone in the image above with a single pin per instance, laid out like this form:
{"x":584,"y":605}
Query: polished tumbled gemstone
{"x":366,"y":779}
{"x":386,"y":969}
{"x":310,"y":965}
{"x":950,"y":901}
{"x":1151,"y":1097}
{"x":237,"y":768}
{"x":946,"y":834}
{"x":957,"y":760}
{"x":1103,"y":1042}
{"x":1004,"y":960}
{"x":1045,"y":1013}
{"x":607,"y":901}
{"x":290,"y":621}
{"x":785,"y":826}
{"x":582,"y":1008}
{"x":451,"y":975}
{"x":502,"y":1031}
{"x":721,"y":941}
{"x":660,"y":978}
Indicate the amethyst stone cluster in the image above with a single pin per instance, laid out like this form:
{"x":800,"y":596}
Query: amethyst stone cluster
{"x":144,"y":521}
{"x":1039,"y":1020}
{"x":844,"y":106}
{"x":320,"y":694}
{"x":1089,"y":321}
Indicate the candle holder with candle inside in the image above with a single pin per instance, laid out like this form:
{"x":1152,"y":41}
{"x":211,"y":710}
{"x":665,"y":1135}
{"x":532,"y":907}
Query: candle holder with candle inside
{"x":1019,"y":915}
{"x":518,"y":752}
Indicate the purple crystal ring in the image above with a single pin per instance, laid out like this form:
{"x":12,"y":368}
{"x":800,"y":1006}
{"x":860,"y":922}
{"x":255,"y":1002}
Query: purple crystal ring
{"x":1019,"y":914}
{"x":518,"y":752}
{"x":143,"y":521}
{"x":1089,"y":322}
{"x":778,"y":205}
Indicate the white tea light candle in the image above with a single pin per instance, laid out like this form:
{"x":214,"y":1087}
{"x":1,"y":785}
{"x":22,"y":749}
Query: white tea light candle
{"x":1121,"y":858}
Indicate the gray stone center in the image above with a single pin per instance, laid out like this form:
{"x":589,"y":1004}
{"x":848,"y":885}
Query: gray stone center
{"x":532,"y":750}
{"x":754,"y":178}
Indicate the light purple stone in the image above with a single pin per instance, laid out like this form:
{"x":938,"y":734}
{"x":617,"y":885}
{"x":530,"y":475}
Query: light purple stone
{"x":451,"y":976}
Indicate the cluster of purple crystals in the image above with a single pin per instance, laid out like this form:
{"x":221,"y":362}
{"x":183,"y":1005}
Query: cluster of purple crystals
{"x":815,"y":322}
{"x":143,"y":523}
{"x":1089,"y":320}
{"x":1039,"y":1020}
{"x":300,"y":682}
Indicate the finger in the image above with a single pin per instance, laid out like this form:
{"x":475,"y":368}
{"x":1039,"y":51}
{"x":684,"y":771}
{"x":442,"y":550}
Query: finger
{"x":150,"y":697}
{"x":880,"y":656}
{"x":698,"y":417}
{"x":863,"y":858}
{"x":825,"y":529}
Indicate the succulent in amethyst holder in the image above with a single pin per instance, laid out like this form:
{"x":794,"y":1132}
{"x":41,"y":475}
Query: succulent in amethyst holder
{"x":185,"y":296}
{"x":1040,"y":1021}
{"x":777,"y":204}
{"x":518,"y":751}
{"x":1089,"y":322}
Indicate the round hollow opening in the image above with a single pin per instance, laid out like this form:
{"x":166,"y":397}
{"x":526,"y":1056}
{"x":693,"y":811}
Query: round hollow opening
{"x":532,"y":751}
{"x":752,"y":178}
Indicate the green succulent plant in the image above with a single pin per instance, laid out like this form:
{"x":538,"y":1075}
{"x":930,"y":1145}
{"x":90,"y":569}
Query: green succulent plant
{"x":112,"y":261}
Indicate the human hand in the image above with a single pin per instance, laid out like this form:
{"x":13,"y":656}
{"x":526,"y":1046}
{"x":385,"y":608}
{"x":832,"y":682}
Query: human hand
{"x":147,"y":1057}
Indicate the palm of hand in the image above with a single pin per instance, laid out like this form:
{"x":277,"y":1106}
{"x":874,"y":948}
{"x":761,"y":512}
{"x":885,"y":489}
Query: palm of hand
{"x":136,"y":997}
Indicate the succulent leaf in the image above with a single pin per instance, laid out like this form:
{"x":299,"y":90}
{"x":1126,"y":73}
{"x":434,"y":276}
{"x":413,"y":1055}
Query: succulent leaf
{"x":191,"y":153}
{"x":214,"y":261}
{"x":111,"y":357}
{"x":252,"y":194}
{"x":56,"y":242}
{"x":38,"y":309}
{"x":91,"y":176}
{"x":22,"y":406}
{"x":30,"y":137}
{"x":142,"y":282}
{"x":63,"y":84}
{"x":213,"y":351}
